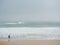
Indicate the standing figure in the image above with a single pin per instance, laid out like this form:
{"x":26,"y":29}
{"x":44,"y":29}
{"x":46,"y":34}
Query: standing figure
{"x":8,"y":37}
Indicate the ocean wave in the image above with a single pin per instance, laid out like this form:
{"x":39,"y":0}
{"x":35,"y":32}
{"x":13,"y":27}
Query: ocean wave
{"x":29,"y":30}
{"x":16,"y":23}
{"x":28,"y":24}
{"x":10,"y":23}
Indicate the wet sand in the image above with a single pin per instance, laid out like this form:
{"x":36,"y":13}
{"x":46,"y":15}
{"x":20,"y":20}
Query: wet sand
{"x":31,"y":42}
{"x":5,"y":43}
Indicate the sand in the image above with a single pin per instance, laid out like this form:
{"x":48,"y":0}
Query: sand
{"x":31,"y":42}
{"x":5,"y":43}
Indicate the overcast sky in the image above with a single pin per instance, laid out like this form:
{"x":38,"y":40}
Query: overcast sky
{"x":30,"y":10}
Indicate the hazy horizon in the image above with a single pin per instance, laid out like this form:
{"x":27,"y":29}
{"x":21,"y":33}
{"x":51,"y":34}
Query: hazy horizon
{"x":30,"y":10}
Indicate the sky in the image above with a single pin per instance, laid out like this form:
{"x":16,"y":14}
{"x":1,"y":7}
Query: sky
{"x":30,"y":10}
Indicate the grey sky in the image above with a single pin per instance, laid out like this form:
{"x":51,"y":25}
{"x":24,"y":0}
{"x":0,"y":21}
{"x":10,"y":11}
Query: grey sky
{"x":30,"y":10}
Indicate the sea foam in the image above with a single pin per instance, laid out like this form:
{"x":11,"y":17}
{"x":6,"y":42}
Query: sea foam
{"x":31,"y":32}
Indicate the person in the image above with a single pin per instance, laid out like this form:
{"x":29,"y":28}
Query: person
{"x":8,"y":37}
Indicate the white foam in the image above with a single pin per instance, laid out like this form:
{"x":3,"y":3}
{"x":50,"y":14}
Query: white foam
{"x":29,"y":30}
{"x":10,"y":23}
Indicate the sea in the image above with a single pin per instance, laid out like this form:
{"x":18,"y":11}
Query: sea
{"x":30,"y":30}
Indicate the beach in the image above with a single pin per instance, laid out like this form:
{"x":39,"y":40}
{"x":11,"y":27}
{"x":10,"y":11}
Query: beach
{"x":30,"y":36}
{"x":31,"y":42}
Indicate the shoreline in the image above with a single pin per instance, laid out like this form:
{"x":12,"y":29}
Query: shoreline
{"x":31,"y":42}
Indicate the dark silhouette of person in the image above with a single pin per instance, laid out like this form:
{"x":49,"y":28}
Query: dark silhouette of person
{"x":8,"y":37}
